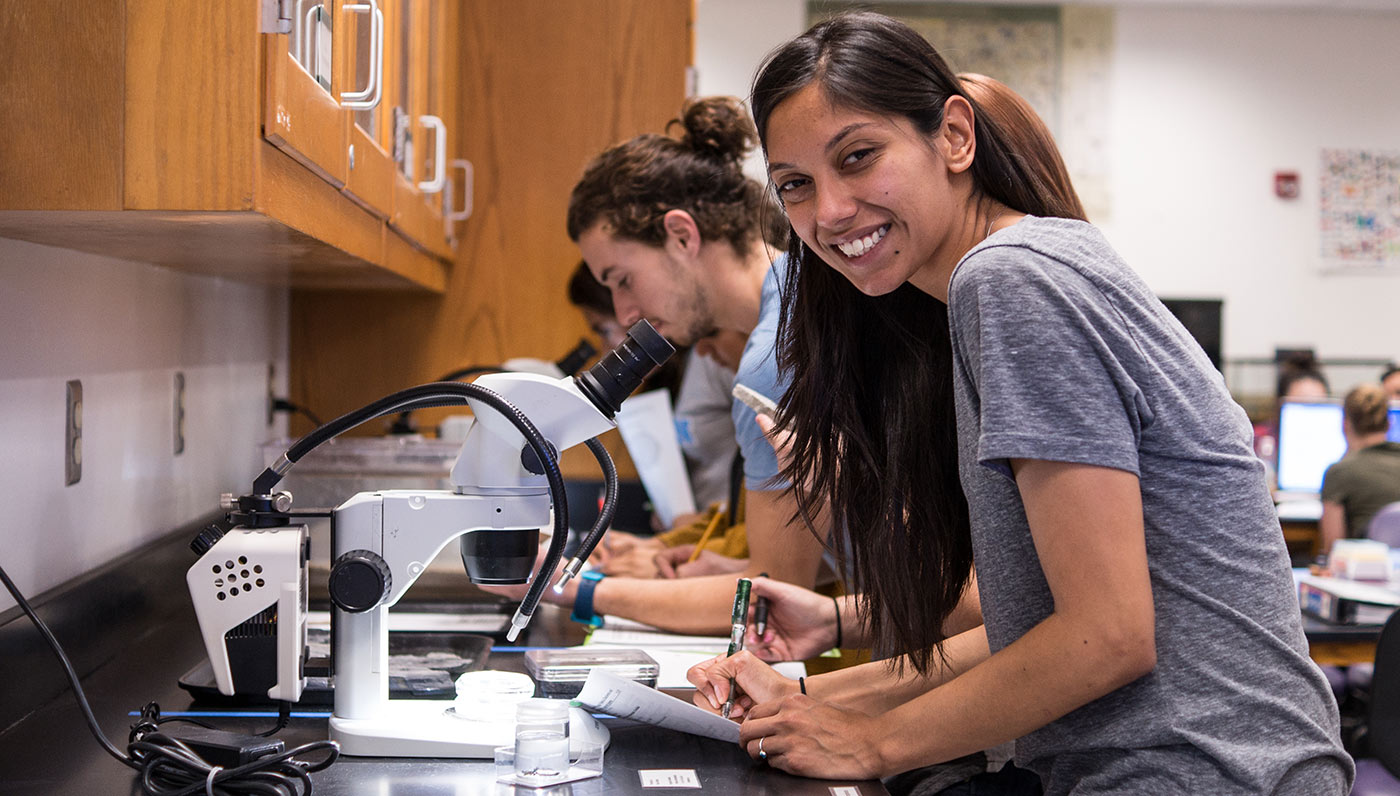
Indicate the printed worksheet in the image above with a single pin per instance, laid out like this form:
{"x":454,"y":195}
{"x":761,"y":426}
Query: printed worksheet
{"x":607,"y":693}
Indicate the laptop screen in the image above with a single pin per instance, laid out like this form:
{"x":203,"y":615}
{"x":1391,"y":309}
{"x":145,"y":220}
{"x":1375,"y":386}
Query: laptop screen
{"x":1310,"y":439}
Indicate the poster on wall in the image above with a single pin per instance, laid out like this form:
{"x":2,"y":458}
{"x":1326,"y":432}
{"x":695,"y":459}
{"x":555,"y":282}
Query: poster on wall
{"x":1360,"y":209}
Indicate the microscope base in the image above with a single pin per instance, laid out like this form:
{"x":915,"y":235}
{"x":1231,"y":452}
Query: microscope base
{"x":424,"y":728}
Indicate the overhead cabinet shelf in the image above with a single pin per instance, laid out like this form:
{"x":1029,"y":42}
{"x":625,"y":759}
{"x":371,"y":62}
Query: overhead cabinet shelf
{"x":283,"y":141}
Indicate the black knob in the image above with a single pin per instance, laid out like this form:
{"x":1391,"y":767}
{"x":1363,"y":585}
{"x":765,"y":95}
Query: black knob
{"x":206,"y":539}
{"x":359,"y":581}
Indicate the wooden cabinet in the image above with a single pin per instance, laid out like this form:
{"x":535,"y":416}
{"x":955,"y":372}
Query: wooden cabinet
{"x":180,"y":132}
{"x":546,"y":85}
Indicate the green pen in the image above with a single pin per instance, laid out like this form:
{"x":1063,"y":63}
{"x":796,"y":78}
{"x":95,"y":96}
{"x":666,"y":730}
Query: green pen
{"x":737,"y":625}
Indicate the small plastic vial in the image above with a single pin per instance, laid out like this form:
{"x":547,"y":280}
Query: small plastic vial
{"x":542,"y":739}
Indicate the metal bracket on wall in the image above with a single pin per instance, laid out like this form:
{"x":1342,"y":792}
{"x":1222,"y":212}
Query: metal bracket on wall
{"x":73,"y":435}
{"x":179,"y":413}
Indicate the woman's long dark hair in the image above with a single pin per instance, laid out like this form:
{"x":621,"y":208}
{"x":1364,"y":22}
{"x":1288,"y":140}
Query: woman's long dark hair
{"x":871,"y":402}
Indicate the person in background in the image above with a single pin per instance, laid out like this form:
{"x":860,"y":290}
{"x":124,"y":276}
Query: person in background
{"x":1368,"y":477}
{"x":1390,"y":381}
{"x":706,"y":434}
{"x":680,"y":236}
{"x":1300,"y":379}
{"x":701,"y":399}
{"x":977,"y":377}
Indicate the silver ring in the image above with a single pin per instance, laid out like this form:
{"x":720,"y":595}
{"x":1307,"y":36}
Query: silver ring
{"x":762,"y":755}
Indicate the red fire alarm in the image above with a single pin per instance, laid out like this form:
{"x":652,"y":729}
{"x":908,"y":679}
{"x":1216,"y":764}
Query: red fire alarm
{"x":1286,"y":184}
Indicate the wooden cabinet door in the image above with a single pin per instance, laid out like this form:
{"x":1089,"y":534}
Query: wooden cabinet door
{"x":370,"y":175}
{"x":301,"y":113}
{"x":421,"y":125}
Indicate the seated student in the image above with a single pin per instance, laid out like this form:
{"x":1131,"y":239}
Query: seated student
{"x":976,"y":378}
{"x":701,"y":398}
{"x":680,"y":236}
{"x":1390,"y":381}
{"x":706,"y":433}
{"x":1300,"y":379}
{"x":1368,"y":477}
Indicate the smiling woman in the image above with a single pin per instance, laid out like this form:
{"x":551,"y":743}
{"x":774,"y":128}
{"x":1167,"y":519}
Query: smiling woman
{"x":977,"y":377}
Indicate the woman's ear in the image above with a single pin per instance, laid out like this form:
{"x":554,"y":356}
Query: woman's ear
{"x":682,"y":233}
{"x":957,"y":137}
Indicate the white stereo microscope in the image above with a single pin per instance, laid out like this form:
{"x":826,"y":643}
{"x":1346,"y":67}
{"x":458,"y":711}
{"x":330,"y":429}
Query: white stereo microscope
{"x":249,"y":584}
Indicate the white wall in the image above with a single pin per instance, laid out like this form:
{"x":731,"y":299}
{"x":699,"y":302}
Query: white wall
{"x":1208,"y":102}
{"x":731,"y":39}
{"x":124,"y":329}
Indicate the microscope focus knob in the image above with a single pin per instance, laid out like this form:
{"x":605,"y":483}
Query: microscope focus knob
{"x":359,"y":581}
{"x":206,"y":539}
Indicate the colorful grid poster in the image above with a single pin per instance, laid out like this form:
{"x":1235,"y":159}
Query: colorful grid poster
{"x":1360,"y":208}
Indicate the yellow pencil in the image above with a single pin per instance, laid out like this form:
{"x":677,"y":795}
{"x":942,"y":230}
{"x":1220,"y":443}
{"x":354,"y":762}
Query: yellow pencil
{"x":716,"y":515}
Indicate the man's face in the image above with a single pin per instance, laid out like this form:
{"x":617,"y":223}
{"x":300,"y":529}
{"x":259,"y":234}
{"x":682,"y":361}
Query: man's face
{"x":647,"y":282}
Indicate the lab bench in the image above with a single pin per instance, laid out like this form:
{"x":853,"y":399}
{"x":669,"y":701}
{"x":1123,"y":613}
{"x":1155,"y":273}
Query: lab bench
{"x":143,"y":637}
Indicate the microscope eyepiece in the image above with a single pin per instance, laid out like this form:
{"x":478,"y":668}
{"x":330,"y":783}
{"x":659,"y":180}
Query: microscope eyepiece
{"x":622,"y":370}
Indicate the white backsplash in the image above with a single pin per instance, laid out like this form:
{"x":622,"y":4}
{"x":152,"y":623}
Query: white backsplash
{"x":124,"y":330}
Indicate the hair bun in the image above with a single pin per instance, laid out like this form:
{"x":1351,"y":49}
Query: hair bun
{"x":718,"y":127}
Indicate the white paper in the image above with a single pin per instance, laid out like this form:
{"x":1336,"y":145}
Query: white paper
{"x":607,"y":693}
{"x":1360,"y":592}
{"x":668,"y":778}
{"x":648,"y":428}
{"x":605,"y":637}
{"x":674,"y":654}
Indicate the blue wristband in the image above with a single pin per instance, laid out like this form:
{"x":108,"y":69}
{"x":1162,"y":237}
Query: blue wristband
{"x":583,"y":599}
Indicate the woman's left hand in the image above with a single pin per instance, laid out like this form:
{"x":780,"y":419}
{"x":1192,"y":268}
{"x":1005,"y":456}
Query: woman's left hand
{"x":808,"y":738}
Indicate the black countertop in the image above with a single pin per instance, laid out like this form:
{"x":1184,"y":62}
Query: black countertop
{"x":50,"y":751}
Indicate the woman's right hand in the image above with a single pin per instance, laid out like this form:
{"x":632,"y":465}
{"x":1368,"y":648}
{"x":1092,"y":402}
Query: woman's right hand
{"x":758,"y":682}
{"x":801,"y":623}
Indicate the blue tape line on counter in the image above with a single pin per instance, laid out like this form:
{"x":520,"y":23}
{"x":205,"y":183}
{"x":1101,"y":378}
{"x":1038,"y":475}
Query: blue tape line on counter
{"x":222,"y":714}
{"x":236,"y":714}
{"x":523,"y":649}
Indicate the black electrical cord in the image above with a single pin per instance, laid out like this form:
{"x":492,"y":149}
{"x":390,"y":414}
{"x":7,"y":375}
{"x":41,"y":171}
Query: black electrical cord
{"x":403,"y":425}
{"x":444,"y":394}
{"x":283,"y":405}
{"x":170,"y":768}
{"x":609,"y":508}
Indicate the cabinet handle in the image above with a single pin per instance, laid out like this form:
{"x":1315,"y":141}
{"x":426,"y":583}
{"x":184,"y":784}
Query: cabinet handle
{"x":453,"y":216}
{"x":295,"y":43}
{"x":368,"y":97}
{"x":440,"y":151}
{"x":312,"y":42}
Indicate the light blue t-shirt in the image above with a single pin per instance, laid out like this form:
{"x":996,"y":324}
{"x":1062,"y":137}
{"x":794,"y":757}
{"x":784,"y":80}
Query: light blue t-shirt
{"x":758,"y":370}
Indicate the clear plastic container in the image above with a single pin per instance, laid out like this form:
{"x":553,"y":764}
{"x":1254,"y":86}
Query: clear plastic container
{"x":490,"y":695}
{"x":542,"y":739}
{"x":560,"y":673}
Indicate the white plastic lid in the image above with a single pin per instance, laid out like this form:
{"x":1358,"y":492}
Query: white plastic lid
{"x":489,"y":692}
{"x":539,"y":710}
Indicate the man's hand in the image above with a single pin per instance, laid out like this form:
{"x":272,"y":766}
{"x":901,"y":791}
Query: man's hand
{"x":674,"y":562}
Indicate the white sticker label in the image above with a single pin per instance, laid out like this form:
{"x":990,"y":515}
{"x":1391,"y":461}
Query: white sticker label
{"x":669,"y":778}
{"x":844,"y":790}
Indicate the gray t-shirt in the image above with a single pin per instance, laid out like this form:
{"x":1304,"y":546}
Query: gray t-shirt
{"x":1062,"y":353}
{"x":705,"y":428}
